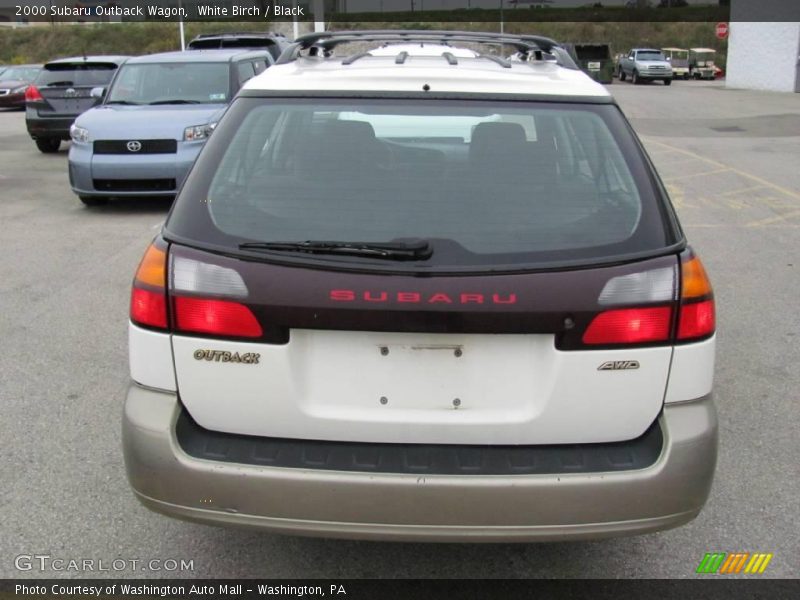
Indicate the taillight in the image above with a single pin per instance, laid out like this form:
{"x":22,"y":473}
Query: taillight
{"x":149,"y":294}
{"x":697,"y":317}
{"x":32,"y":94}
{"x":661,"y":292}
{"x":630,"y":326}
{"x":148,"y":308}
{"x":215,"y":317}
{"x":190,"y":313}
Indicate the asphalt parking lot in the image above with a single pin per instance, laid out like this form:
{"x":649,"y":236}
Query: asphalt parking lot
{"x":730,"y":160}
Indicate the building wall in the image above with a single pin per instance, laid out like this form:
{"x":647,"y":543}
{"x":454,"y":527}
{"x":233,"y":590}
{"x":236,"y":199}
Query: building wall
{"x":764,"y":56}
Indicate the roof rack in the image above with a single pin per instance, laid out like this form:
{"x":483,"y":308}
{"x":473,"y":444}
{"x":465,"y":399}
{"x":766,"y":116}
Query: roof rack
{"x":326,"y":41}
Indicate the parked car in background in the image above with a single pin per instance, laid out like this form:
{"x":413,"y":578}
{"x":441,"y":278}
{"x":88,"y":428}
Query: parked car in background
{"x":679,"y":61}
{"x":14,"y":81}
{"x":645,"y":64}
{"x":158,"y":113}
{"x":64,"y":89}
{"x":701,"y":63}
{"x":275,"y":43}
{"x":594,"y":59}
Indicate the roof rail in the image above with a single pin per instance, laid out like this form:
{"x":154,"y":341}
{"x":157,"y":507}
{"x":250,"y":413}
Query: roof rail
{"x":326,"y":41}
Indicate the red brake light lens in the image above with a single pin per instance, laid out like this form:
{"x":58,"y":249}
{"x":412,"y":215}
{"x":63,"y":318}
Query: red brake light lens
{"x":149,"y":296}
{"x":149,"y":308}
{"x":217,"y":317}
{"x":32,"y":94}
{"x":697,"y":320}
{"x":697,"y":317}
{"x":630,"y":326}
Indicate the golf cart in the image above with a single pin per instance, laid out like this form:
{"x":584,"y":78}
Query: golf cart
{"x":679,"y":59}
{"x":701,"y":63}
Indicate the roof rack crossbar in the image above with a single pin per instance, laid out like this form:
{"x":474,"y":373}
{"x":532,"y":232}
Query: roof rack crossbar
{"x":354,"y":57}
{"x":450,"y":58}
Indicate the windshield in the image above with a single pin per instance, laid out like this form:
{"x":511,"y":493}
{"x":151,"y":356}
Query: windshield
{"x":82,"y":74}
{"x":172,"y":83}
{"x":19,"y":73}
{"x":484,"y":183}
{"x":649,"y":55}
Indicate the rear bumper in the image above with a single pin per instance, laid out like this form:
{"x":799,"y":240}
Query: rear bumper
{"x":42,"y":127}
{"x":371,"y":505}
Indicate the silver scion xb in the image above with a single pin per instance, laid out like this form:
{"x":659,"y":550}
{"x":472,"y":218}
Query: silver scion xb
{"x":159,"y":111}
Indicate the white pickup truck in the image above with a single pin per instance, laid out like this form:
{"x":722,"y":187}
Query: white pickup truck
{"x":645,"y":64}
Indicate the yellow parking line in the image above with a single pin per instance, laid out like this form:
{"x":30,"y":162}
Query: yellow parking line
{"x":775,"y":219}
{"x":765,"y":182}
{"x":680,"y":177}
{"x":741,"y":190}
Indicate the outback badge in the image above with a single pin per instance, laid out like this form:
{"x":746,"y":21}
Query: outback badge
{"x":619,"y":365}
{"x":248,"y":358}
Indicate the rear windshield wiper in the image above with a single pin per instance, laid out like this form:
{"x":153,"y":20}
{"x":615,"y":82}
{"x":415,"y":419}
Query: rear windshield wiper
{"x":176,"y":101}
{"x":416,"y":250}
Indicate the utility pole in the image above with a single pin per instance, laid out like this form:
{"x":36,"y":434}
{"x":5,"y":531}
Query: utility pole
{"x":180,"y":29}
{"x":319,"y":15}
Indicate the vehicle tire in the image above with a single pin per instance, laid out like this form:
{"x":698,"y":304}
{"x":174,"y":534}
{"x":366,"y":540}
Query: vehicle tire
{"x":48,"y":145}
{"x":668,"y":82}
{"x":622,"y":76}
{"x":93,"y":200}
{"x":635,"y":80}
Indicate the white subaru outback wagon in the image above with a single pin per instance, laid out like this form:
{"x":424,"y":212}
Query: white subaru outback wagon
{"x":423,"y":292}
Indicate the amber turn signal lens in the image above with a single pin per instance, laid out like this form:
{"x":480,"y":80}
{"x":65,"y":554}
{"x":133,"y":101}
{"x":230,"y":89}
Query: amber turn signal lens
{"x":153,"y":268}
{"x":695,"y":282}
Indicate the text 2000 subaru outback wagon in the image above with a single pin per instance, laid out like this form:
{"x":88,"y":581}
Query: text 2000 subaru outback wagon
{"x":426,"y":295}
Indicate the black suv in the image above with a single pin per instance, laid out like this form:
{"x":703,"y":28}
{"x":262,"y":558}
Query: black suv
{"x":63,"y":90}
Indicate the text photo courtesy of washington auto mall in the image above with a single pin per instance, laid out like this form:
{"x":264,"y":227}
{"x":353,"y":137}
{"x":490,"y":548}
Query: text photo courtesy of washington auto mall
{"x":399,"y":298}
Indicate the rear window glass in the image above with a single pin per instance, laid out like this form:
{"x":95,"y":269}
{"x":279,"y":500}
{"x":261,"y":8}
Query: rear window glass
{"x":172,"y":83}
{"x":88,"y":74}
{"x":19,"y":73}
{"x":485,"y":183}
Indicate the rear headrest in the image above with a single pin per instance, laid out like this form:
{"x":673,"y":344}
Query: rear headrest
{"x":340,"y":149}
{"x":349,"y":135}
{"x":496,"y":139}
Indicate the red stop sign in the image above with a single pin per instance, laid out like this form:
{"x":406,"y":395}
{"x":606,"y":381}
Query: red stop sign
{"x":722,"y":30}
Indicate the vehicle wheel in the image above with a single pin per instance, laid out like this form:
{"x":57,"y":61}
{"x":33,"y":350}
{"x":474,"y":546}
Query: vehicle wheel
{"x":622,"y":76}
{"x":668,"y":82}
{"x":93,"y":200}
{"x":48,"y":145}
{"x":635,"y":78}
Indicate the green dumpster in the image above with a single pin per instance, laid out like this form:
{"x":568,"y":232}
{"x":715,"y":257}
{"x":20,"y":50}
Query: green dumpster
{"x":594,"y":59}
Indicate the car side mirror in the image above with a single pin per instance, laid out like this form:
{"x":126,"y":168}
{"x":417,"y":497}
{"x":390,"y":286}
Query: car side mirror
{"x":98,"y":93}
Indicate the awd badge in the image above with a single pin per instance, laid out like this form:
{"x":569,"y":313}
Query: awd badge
{"x":619,"y":365}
